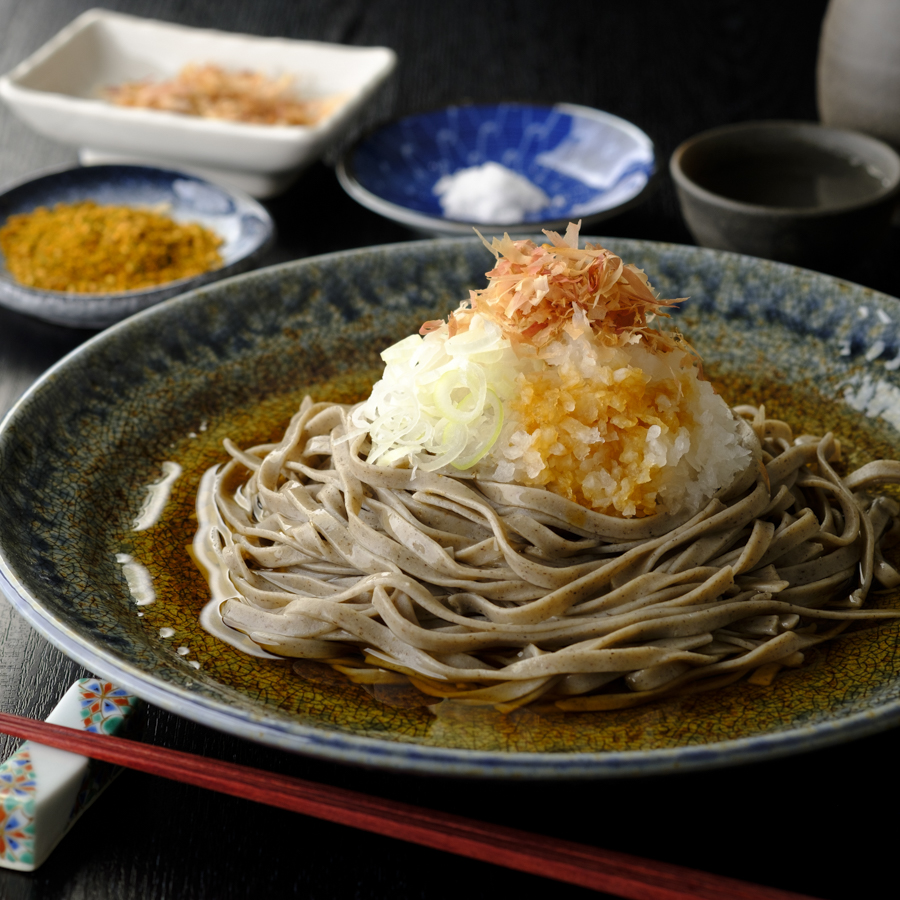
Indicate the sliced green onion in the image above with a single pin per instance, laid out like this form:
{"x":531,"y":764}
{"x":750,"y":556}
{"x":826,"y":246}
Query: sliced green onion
{"x":480,"y":451}
{"x":467,"y":409}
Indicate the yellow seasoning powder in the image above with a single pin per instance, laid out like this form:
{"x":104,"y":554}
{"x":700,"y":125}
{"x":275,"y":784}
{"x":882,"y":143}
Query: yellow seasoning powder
{"x":87,"y":248}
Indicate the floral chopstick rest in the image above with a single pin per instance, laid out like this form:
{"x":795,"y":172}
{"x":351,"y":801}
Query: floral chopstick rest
{"x":43,"y":791}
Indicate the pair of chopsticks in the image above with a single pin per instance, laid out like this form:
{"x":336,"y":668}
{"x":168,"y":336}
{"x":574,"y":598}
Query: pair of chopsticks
{"x":615,"y":873}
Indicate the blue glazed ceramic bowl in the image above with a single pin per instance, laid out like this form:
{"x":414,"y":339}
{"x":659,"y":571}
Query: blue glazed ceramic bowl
{"x":82,"y":449}
{"x":243,"y":224}
{"x":589,"y":164}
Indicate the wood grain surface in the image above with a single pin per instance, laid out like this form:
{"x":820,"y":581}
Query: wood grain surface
{"x":815,"y":823}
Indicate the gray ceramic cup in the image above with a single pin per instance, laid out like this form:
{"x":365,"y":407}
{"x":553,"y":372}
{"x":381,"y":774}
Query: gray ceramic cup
{"x":797,"y":192}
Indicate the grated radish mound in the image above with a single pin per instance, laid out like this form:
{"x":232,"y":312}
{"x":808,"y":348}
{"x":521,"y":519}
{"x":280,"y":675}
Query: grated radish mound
{"x":618,"y":430}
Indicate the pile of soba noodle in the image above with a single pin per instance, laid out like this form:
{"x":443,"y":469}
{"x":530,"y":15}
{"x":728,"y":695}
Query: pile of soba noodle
{"x":544,"y":500}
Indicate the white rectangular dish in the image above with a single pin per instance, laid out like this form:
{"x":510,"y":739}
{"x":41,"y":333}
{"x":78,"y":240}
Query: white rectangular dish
{"x":57,"y":91}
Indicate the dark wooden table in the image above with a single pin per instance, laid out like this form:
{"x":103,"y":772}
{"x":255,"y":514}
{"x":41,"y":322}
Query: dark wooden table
{"x":820,"y":823}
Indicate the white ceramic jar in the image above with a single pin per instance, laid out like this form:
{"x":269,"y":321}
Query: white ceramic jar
{"x":858,"y":73}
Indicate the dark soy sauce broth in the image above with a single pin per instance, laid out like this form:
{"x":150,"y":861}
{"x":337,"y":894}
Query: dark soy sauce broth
{"x":803,"y":177}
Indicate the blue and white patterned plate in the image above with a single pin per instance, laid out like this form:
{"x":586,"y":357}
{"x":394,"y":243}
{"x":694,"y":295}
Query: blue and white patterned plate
{"x":591,"y":165}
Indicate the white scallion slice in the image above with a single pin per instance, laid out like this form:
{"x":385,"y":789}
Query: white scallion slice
{"x":454,"y":442}
{"x":459,"y":394}
{"x":493,"y":401}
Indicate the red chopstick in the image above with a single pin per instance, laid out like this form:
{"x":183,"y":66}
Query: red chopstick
{"x":603,"y":870}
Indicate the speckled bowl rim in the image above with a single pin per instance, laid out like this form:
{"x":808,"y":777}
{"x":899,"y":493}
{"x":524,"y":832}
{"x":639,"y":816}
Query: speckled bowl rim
{"x":453,"y":227}
{"x":425,"y":760}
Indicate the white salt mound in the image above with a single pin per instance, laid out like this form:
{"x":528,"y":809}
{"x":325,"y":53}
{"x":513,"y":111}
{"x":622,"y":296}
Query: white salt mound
{"x":489,"y":193}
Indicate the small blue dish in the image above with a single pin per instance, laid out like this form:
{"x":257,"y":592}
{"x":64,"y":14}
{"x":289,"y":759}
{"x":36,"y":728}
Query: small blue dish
{"x":590,"y":165}
{"x":244,"y":225}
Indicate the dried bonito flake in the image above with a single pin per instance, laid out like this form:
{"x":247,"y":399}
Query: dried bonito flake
{"x":535,"y":293}
{"x":211,"y":92}
{"x":88,"y":248}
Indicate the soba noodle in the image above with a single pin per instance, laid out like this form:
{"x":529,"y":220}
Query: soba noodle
{"x":495,"y":594}
{"x":543,"y":499}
